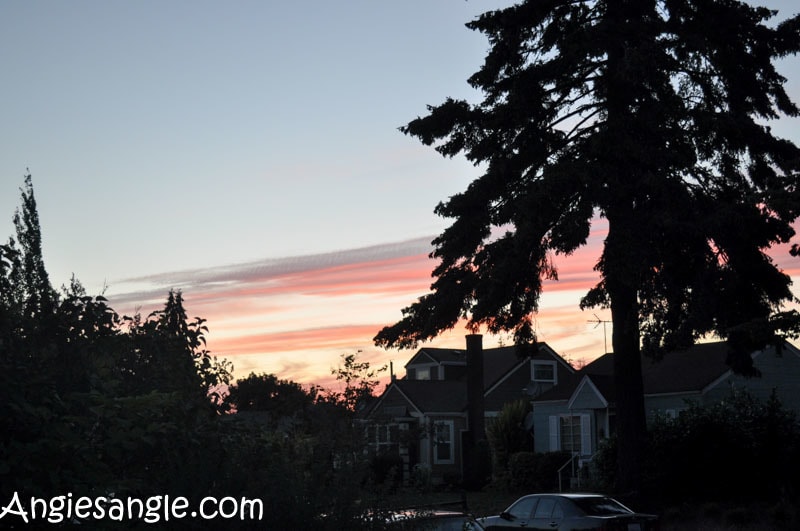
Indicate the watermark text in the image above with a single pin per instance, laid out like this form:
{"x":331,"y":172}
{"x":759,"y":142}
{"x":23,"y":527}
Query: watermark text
{"x":151,"y":510}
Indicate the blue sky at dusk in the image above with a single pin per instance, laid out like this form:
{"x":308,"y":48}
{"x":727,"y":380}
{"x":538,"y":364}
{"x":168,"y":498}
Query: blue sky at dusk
{"x":247,"y":152}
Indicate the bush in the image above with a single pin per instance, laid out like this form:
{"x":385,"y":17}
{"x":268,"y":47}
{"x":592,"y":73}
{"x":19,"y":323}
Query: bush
{"x":604,"y":465}
{"x":522,"y":469}
{"x":738,"y":449}
{"x":387,"y":469}
{"x":421,"y":478}
{"x":536,"y":471}
{"x":507,"y":435}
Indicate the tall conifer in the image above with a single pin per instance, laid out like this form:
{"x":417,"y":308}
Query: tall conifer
{"x":651,"y":114}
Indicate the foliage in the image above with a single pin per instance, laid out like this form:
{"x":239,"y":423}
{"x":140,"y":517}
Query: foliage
{"x":507,"y":434}
{"x":421,"y":478}
{"x":386,"y":468}
{"x":96,"y":403}
{"x":760,"y":439}
{"x":167,"y":353}
{"x":536,"y":471}
{"x":359,"y":379}
{"x":33,"y":290}
{"x":650,"y":114}
{"x":738,"y":449}
{"x":268,"y":393}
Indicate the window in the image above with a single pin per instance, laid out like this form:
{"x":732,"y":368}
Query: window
{"x":383,"y":438}
{"x":443,"y":442}
{"x":544,"y":371}
{"x":545,"y":508}
{"x":523,"y":508}
{"x":571,"y":433}
{"x":600,"y":506}
{"x":428,"y":372}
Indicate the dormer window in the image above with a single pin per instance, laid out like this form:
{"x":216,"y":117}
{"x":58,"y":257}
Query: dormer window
{"x":428,"y":371}
{"x":544,"y":371}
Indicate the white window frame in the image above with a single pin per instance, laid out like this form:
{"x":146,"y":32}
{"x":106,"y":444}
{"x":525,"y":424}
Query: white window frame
{"x":449,"y":425}
{"x":586,"y":432}
{"x":431,"y":371}
{"x":553,"y":380}
{"x":382,"y":439}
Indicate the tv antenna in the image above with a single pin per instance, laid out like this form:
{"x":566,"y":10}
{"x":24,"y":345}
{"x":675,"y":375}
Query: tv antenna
{"x":599,"y":322}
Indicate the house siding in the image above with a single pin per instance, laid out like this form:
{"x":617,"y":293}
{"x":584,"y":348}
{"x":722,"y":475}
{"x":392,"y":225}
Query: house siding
{"x":542,"y":411}
{"x":669,"y":405}
{"x":393,"y":398}
{"x":587,"y":398}
{"x":779,"y":371}
{"x":442,"y":472}
{"x":517,"y":383}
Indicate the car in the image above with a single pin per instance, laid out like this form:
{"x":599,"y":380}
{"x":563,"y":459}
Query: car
{"x":570,"y":511}
{"x":432,"y":520}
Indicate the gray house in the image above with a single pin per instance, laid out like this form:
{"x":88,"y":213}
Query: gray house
{"x":579,"y":413}
{"x":429,"y":416}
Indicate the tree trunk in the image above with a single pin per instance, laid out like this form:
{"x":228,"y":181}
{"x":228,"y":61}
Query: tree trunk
{"x":621,"y":282}
{"x":629,"y":390}
{"x":624,"y":241}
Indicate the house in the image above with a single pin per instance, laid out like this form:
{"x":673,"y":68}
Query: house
{"x":579,"y":413}
{"x":433,"y":415}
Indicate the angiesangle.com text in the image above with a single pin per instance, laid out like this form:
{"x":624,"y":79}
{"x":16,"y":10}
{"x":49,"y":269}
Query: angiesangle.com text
{"x":151,"y":510}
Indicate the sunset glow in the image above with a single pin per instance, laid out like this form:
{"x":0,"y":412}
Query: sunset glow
{"x":249,"y":155}
{"x":295,"y":316}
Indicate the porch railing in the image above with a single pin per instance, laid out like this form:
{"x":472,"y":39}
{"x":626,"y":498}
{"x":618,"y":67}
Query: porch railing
{"x":576,"y":462}
{"x":570,"y":463}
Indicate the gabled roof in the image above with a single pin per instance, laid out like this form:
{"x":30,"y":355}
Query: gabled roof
{"x":693,"y":369}
{"x":435,"y":395}
{"x":497,"y":362}
{"x":431,"y":396}
{"x":588,"y":389}
{"x":439,"y":355}
{"x":685,"y":371}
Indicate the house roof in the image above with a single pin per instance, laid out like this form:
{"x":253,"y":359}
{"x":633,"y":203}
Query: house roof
{"x":435,"y":395}
{"x":430,"y":396}
{"x":496,"y":361}
{"x":438,"y":355}
{"x":693,"y":369}
{"x":689,"y":370}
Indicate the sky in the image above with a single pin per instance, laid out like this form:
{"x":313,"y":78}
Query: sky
{"x":248,"y":153}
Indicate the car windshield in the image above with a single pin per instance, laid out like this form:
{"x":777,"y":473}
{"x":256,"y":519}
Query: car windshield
{"x":600,"y":506}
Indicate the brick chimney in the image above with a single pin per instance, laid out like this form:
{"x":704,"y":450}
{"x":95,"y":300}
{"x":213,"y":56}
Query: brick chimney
{"x":476,"y":465}
{"x":475,"y":407}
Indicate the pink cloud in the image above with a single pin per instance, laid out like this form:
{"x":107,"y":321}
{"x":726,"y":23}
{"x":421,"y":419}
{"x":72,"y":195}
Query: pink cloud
{"x":294,"y":316}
